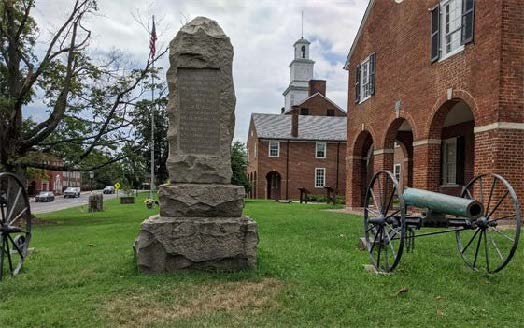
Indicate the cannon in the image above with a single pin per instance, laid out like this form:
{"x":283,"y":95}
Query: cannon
{"x":485,"y":219}
{"x":15,"y":224}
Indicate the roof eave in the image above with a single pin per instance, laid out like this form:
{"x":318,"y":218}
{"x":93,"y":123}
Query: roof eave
{"x":359,"y":33}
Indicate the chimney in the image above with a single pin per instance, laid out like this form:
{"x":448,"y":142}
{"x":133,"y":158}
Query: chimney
{"x":294,"y":124}
{"x":317,"y":86}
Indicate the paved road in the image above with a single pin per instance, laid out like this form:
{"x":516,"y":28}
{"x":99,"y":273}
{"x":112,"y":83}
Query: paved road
{"x":60,"y":203}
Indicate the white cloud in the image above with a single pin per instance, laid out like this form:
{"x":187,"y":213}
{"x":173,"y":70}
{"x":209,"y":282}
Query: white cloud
{"x":262,"y":33}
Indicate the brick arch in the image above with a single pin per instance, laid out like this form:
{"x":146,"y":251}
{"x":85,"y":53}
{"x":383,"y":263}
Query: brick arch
{"x":359,"y":144}
{"x":441,"y":108}
{"x":393,"y":126}
{"x":358,"y":168}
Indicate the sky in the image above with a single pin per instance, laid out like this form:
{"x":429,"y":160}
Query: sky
{"x":262,"y":33}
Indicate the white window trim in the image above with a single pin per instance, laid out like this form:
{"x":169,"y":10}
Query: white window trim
{"x":399,"y":166}
{"x":325,"y":149}
{"x":324,"y":175}
{"x":442,"y":36}
{"x":450,"y":141}
{"x":278,"y":148}
{"x":367,"y":62}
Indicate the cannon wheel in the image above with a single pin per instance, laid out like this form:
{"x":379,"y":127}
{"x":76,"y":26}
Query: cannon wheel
{"x":15,"y":224}
{"x":493,"y":238}
{"x":384,"y":221}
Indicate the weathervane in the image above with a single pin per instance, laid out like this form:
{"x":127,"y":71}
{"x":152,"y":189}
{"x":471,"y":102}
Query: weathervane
{"x":302,"y":24}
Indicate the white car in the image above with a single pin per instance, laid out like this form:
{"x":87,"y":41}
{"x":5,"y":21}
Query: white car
{"x":72,"y":192}
{"x":45,"y":196}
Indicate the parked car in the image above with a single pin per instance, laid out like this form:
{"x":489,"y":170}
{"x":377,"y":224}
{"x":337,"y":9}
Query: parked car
{"x":45,"y":196}
{"x":109,"y":190}
{"x":72,"y":192}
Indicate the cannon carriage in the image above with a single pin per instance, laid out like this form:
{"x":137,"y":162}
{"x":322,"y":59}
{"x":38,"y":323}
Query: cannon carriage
{"x":486,"y":220}
{"x":15,"y":224}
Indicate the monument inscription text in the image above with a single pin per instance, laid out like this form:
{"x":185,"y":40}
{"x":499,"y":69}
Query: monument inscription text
{"x":199,"y":105}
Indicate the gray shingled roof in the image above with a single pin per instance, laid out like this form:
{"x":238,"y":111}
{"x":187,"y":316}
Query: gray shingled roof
{"x":278,"y":126}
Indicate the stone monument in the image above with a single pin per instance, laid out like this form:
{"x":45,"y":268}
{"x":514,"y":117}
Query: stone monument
{"x":200,"y":225}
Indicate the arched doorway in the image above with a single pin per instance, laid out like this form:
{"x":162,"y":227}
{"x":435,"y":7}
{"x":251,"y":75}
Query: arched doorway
{"x":399,"y":137}
{"x":273,"y":179}
{"x":454,"y":125}
{"x":361,"y":168}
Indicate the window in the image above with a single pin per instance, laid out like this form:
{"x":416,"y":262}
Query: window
{"x":274,"y":148}
{"x":365,"y":79}
{"x":303,"y":50}
{"x":452,"y":26}
{"x":320,"y":178}
{"x":304,"y":111}
{"x":396,"y":171}
{"x":320,"y":151}
{"x":330,"y":112}
{"x":449,"y":161}
{"x":255,"y":152}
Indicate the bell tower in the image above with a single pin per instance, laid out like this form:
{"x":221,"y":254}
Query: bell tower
{"x":301,"y":71}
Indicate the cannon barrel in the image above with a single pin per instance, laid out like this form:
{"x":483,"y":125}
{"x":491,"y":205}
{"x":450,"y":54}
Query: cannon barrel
{"x":443,"y":204}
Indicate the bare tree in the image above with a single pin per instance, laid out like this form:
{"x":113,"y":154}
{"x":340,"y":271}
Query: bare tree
{"x":89,"y":100}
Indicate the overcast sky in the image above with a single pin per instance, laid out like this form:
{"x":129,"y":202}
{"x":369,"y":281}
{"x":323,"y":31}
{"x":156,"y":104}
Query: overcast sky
{"x":262,"y":33}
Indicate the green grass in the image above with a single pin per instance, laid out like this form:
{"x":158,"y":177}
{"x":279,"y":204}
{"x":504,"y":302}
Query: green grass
{"x":310,"y":273}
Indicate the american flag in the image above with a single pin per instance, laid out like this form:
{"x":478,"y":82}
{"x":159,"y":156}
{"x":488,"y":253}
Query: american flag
{"x":152,"y":41}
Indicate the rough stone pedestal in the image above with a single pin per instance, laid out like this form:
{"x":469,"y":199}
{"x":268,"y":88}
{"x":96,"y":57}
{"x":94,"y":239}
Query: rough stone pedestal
{"x":170,"y":244}
{"x":200,"y":225}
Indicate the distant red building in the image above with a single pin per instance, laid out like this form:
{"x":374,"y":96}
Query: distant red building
{"x":55,"y":181}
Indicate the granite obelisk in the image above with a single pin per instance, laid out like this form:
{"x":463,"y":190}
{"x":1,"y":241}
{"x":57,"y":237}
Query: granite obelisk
{"x":200,"y":225}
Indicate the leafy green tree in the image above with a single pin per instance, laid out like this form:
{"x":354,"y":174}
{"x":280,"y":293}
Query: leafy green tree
{"x":142,"y":126}
{"x":239,"y":165}
{"x":88,"y":99}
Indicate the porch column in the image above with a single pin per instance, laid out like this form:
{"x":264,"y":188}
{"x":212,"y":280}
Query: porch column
{"x":426,"y":164}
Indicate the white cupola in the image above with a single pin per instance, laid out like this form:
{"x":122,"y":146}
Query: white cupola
{"x":301,"y":72}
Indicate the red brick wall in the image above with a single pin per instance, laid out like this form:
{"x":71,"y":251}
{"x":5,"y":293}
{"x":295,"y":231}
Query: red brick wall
{"x":487,"y":75}
{"x":302,"y":164}
{"x":511,"y":97}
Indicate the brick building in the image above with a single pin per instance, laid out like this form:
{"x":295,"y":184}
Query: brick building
{"x":438,"y":92}
{"x":302,"y":147}
{"x":55,"y":181}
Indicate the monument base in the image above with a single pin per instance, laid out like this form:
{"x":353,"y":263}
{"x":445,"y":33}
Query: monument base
{"x":201,"y":200}
{"x":171,"y":244}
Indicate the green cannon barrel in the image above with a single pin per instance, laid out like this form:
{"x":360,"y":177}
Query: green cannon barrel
{"x":444,"y":204}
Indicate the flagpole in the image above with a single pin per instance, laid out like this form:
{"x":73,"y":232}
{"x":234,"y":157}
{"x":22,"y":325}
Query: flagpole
{"x":152,"y":182}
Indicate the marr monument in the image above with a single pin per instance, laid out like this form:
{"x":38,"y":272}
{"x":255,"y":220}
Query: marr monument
{"x":200,"y":226}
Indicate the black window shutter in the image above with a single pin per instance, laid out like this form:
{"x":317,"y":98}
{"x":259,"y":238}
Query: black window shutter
{"x":435,"y":33}
{"x":372,"y":73}
{"x":461,"y":159}
{"x":468,"y":21}
{"x":357,"y":84}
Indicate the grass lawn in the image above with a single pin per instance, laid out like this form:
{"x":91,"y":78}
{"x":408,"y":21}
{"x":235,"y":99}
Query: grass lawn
{"x":310,"y":273}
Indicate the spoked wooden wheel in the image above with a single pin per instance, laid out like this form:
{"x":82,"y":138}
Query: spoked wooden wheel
{"x":15,"y":224}
{"x":384,"y":221}
{"x":493,"y":238}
